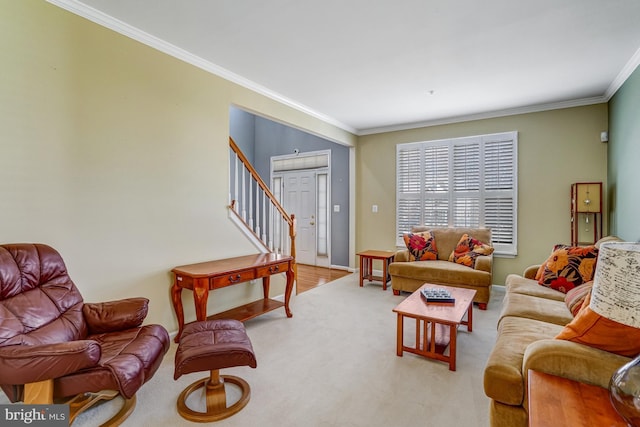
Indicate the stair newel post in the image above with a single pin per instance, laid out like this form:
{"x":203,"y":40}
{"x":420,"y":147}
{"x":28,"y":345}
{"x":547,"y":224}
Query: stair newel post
{"x":292,"y":235}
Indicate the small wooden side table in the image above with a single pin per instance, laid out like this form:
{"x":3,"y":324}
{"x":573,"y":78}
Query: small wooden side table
{"x":366,"y":266}
{"x":556,"y":401}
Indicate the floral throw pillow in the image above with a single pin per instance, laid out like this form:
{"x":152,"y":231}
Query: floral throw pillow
{"x":421,"y":246}
{"x":468,"y":249}
{"x":568,"y":267}
{"x":540,"y":271}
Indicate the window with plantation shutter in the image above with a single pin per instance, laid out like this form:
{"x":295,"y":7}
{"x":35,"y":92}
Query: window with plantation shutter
{"x":409,"y":165}
{"x":462,"y":182}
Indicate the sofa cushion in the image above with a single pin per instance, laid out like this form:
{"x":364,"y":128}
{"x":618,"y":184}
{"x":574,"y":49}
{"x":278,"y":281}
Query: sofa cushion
{"x":519,"y":285}
{"x":468,"y":249}
{"x":576,"y":296}
{"x":607,"y":239}
{"x":421,"y":246}
{"x":590,"y":328}
{"x":448,"y":237}
{"x":532,"y":307}
{"x":503,"y":377}
{"x":440,"y":272}
{"x":568,"y":267}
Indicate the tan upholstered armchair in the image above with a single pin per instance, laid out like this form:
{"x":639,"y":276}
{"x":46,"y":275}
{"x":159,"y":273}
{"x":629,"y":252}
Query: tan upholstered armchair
{"x":56,"y":348}
{"x":408,"y":276}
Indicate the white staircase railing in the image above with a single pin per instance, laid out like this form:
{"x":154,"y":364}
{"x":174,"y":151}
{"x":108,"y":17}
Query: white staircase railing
{"x":256,"y":210}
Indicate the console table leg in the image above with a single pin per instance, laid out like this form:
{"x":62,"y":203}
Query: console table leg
{"x":288,"y":289}
{"x":200,"y":297}
{"x":265,"y":286}
{"x":176,"y":297}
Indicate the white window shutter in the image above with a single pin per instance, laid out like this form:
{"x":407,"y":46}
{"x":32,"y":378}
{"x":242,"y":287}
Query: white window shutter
{"x":409,"y":178}
{"x":463,"y":182}
{"x":500,"y":191}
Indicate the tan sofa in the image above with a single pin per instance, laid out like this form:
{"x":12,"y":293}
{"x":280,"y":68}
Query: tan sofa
{"x":408,"y":275}
{"x":532,"y":315}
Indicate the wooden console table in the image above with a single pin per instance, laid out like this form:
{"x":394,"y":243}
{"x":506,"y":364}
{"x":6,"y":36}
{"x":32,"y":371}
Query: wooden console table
{"x":556,"y":401}
{"x":207,"y":276}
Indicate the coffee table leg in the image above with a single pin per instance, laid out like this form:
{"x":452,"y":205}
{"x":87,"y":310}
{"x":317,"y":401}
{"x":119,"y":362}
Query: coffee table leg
{"x":400,"y":335}
{"x":361,"y":269}
{"x":453,"y":332}
{"x":470,"y":318}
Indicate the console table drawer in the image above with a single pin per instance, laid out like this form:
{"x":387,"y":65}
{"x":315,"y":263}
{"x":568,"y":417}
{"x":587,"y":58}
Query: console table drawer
{"x":233,"y":278}
{"x":184,"y":281}
{"x":272,"y":269}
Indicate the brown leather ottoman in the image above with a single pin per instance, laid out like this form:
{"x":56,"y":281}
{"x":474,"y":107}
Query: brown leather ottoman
{"x":211,"y":345}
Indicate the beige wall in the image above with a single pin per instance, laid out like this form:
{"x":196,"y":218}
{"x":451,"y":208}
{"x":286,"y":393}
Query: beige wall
{"x":117,"y":155}
{"x":555,"y":149}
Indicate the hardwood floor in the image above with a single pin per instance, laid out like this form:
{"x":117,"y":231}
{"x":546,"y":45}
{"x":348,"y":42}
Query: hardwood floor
{"x":310,"y":276}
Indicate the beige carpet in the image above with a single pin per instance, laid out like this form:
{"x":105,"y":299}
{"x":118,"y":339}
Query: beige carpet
{"x":334,"y":364}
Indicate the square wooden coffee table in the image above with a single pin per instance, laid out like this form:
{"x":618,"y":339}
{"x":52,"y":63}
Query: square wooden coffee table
{"x":436,"y":323}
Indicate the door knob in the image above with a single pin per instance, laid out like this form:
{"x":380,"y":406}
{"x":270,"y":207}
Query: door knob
{"x":312,"y":223}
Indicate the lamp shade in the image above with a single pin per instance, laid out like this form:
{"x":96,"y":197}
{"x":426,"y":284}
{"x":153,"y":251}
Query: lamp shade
{"x":616,"y":284}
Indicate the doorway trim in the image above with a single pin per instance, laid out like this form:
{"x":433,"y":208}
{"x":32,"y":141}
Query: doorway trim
{"x":318,"y":163}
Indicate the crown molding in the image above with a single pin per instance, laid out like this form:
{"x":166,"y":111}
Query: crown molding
{"x":487,"y":115}
{"x":101,"y":18}
{"x":622,"y":77}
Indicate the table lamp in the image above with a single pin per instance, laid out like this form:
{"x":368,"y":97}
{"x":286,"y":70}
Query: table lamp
{"x":616,"y":296}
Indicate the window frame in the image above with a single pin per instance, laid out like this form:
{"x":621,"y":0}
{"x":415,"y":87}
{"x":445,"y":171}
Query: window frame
{"x":487,"y":179}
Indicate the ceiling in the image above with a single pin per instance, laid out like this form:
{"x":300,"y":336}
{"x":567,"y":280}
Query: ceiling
{"x":368,"y":66}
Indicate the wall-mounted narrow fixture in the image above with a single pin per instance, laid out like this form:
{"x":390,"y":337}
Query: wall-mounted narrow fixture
{"x":604,"y":136}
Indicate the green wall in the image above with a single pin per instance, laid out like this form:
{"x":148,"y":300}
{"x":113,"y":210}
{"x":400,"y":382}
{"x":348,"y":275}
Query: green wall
{"x":624,"y":159}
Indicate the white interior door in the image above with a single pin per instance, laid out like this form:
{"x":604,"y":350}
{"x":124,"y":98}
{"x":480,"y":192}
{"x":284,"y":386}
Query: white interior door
{"x":299,"y":198}
{"x":303,"y":189}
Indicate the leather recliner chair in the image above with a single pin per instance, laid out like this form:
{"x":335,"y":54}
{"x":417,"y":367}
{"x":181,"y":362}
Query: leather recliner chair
{"x":55,"y":348}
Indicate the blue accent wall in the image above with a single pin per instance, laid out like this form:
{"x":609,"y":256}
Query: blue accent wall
{"x":264,"y":138}
{"x":242,"y":129}
{"x":624,"y":160}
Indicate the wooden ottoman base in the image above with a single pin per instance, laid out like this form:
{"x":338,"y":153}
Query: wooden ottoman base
{"x":211,"y":345}
{"x":216,"y":398}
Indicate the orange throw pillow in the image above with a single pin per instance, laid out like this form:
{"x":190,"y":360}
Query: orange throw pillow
{"x":468,"y":249}
{"x":591,"y":329}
